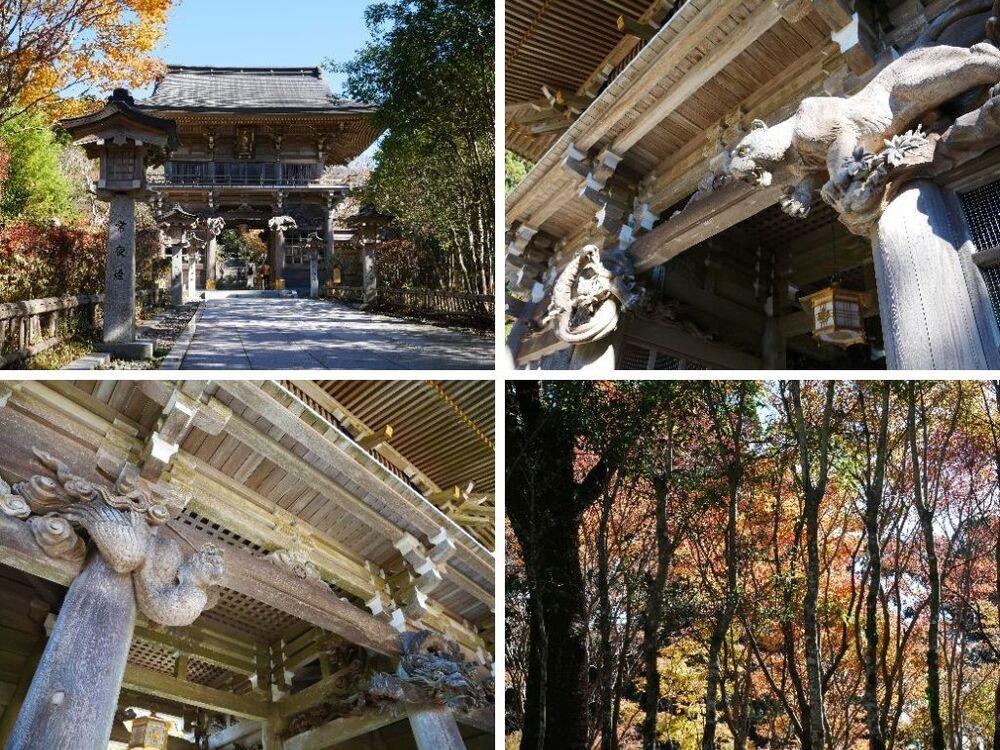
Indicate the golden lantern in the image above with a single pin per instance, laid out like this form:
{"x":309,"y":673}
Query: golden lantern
{"x":838,"y":315}
{"x":149,"y":733}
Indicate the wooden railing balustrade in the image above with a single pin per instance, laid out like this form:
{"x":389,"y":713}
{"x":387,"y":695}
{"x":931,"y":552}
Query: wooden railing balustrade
{"x":30,"y":327}
{"x":344,"y":293}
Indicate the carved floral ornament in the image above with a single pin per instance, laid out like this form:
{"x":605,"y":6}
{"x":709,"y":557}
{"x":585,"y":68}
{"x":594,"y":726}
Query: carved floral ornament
{"x":282,"y":223}
{"x":591,"y":294}
{"x":63,"y":511}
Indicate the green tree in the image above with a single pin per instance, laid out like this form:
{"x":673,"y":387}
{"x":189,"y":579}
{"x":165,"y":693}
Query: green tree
{"x":429,"y":69}
{"x":34,"y":186}
{"x":515,"y":169}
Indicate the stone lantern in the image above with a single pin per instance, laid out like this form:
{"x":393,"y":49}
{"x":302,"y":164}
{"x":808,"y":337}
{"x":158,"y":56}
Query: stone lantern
{"x":122,"y":138}
{"x":178,"y":225}
{"x":838,"y":315}
{"x":149,"y":733}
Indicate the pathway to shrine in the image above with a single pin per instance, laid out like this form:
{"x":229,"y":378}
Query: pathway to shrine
{"x":242,"y":333}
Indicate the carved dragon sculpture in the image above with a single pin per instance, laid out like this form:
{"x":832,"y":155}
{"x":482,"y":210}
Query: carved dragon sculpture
{"x":590,"y":295}
{"x":123,"y":525}
{"x":282,"y":223}
{"x":431,"y":672}
{"x":826,"y":135}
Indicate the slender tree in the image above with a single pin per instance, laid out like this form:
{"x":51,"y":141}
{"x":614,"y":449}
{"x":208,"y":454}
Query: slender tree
{"x":812,"y":475}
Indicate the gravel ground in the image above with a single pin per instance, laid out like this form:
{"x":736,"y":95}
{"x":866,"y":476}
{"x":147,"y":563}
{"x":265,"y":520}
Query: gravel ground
{"x":163,"y":330}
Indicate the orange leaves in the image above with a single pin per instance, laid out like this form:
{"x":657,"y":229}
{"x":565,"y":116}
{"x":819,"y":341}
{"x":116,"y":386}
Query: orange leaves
{"x":75,"y":48}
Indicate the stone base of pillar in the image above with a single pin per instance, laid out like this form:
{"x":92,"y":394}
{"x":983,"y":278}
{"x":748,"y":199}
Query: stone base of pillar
{"x":128,"y":350}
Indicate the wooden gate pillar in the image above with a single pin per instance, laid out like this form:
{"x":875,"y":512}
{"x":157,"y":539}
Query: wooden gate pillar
{"x":934,"y":314}
{"x":435,"y":728}
{"x":72,"y":699}
{"x":126,"y":566}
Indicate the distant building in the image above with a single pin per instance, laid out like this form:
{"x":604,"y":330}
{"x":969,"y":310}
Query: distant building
{"x":255,"y":143}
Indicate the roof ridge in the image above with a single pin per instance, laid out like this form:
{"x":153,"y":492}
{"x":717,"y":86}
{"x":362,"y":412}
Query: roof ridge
{"x":310,"y":70}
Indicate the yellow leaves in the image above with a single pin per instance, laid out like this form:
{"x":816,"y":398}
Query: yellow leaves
{"x":111,"y":45}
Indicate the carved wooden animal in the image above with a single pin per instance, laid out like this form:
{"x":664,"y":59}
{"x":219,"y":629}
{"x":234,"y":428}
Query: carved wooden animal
{"x":825,"y":130}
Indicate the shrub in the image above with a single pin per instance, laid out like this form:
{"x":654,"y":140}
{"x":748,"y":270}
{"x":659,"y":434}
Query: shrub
{"x":49,"y":261}
{"x":34,"y":186}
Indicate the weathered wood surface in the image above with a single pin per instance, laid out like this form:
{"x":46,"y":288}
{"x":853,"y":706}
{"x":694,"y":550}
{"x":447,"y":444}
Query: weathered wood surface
{"x":157,"y":684}
{"x":435,"y":728}
{"x":261,"y":580}
{"x":72,"y":699}
{"x":19,"y":550}
{"x":341,"y":730}
{"x":456,"y":304}
{"x":929,"y":315}
{"x":242,"y":730}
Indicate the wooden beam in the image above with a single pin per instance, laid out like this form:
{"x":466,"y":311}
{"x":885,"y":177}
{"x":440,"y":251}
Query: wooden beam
{"x":643,"y":31}
{"x":147,"y":681}
{"x":175,"y":641}
{"x":233,"y":733}
{"x":313,"y":695}
{"x":261,"y":580}
{"x":762,"y":19}
{"x":377,"y":438}
{"x":680,"y":47}
{"x":703,"y":219}
{"x":673,"y":339}
{"x":340,"y":730}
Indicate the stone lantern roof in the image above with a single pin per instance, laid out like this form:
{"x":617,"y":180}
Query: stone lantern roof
{"x":119,"y":119}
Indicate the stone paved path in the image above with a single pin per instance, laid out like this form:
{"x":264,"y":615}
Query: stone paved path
{"x":279,"y":334}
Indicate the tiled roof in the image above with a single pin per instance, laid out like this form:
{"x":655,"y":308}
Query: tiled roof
{"x":263,"y":89}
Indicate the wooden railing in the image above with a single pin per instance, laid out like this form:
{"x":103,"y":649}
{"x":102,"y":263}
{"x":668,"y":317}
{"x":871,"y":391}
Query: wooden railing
{"x":29,"y":328}
{"x":449,"y":304}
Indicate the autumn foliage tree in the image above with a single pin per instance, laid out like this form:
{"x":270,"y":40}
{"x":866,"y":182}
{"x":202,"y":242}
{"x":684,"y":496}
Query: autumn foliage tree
{"x":54,"y":54}
{"x":765,"y":565}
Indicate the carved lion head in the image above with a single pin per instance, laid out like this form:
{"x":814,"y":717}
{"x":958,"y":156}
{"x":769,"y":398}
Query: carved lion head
{"x":752,"y":153}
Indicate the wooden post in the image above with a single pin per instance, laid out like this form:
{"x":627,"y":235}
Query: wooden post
{"x":20,"y":691}
{"x":434,"y":728}
{"x":73,"y":696}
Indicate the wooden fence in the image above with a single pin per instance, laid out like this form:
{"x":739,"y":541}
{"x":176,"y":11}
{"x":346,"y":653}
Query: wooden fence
{"x":421,"y":301}
{"x":29,"y":328}
{"x":344,"y":293}
{"x":450,"y":304}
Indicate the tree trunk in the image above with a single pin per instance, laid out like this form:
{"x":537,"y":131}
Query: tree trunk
{"x":564,"y":612}
{"x":934,"y":582}
{"x":72,"y":699}
{"x":607,"y":674}
{"x":814,"y":669}
{"x":651,"y":626}
{"x":712,"y":687}
{"x":533,"y":728}
{"x":872,"y":718}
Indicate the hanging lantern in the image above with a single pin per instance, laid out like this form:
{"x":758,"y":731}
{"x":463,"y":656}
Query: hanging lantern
{"x":149,"y":733}
{"x":838,"y":315}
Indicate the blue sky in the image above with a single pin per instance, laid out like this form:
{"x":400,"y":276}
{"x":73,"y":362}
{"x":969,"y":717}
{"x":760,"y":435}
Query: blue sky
{"x":280,"y":33}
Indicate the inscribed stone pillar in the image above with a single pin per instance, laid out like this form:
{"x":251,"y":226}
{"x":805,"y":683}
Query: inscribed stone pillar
{"x":192,"y":277}
{"x":72,"y":700}
{"x":119,"y":272}
{"x":177,"y":277}
{"x":369,"y":275}
{"x":927,"y":301}
{"x":435,"y":728}
{"x":313,"y":277}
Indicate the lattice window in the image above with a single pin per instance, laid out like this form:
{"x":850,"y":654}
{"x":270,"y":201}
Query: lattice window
{"x":634,"y":357}
{"x":982,"y":210}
